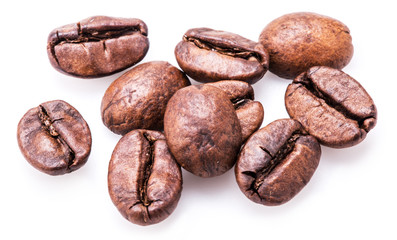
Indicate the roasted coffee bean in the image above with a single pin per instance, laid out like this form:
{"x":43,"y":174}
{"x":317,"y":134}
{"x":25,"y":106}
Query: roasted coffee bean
{"x":277,"y":162}
{"x":249,"y":112}
{"x":207,"y":55}
{"x":144,"y":181}
{"x":331,"y":106}
{"x":98,"y":46}
{"x":54,"y":138}
{"x":202,"y":130}
{"x":297,"y":41}
{"x":137,"y":99}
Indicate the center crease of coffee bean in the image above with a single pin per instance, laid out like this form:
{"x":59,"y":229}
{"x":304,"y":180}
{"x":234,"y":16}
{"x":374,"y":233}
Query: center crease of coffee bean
{"x":311,"y":87}
{"x":142,"y":195}
{"x":96,"y":36}
{"x":275,"y":160}
{"x":148,"y":170}
{"x":233,"y":52}
{"x":47,"y":123}
{"x":93,"y":36}
{"x":239,"y":102}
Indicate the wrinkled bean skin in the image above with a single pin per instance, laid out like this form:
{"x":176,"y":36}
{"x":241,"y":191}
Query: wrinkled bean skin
{"x":97,"y":46}
{"x":250,"y":113}
{"x":54,"y":138}
{"x":208,"y":55}
{"x":202,"y":130}
{"x":331,"y":106}
{"x":137,"y":99}
{"x":144,"y":181}
{"x":277,"y":162}
{"x":297,"y":41}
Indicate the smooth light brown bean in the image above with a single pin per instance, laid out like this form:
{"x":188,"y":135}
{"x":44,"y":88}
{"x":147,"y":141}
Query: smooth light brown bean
{"x":202,"y":130}
{"x":298,"y":41}
{"x":137,"y":99}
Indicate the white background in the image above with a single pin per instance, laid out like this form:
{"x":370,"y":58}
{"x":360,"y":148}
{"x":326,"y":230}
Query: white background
{"x":352,"y":194}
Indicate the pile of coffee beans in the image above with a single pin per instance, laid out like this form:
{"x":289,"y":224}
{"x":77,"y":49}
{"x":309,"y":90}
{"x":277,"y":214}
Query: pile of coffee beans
{"x":166,"y":123}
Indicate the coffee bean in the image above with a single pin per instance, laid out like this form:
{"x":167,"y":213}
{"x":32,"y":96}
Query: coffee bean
{"x":98,"y":46}
{"x":202,"y":130}
{"x":277,"y":162}
{"x":144,"y":181}
{"x":250,"y":113}
{"x":331,"y":106}
{"x":137,"y":99}
{"x":298,"y":41}
{"x":54,"y":138}
{"x":207,"y":55}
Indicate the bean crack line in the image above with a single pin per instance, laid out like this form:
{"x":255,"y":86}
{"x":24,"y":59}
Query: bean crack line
{"x":229,"y":51}
{"x":47,"y":124}
{"x":275,"y":160}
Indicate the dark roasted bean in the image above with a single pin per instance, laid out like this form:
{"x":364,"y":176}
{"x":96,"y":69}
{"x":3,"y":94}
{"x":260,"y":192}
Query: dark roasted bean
{"x":331,"y":106}
{"x":277,"y":162}
{"x":208,"y":55}
{"x":98,"y":46}
{"x":54,"y":138}
{"x":144,"y":181}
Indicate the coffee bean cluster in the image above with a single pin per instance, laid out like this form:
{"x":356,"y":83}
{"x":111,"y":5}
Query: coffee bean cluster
{"x":166,"y":123}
